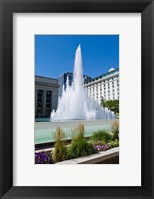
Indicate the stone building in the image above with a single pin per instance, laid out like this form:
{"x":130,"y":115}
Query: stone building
{"x":46,"y":96}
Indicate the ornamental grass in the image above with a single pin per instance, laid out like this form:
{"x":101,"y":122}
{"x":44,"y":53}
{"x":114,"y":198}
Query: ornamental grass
{"x":115,"y":129}
{"x":79,"y":145}
{"x":59,"y":152}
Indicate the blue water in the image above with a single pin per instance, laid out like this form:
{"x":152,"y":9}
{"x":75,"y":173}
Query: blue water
{"x":48,"y":134}
{"x":42,"y":119}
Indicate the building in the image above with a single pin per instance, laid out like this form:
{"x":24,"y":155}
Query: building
{"x":47,"y":90}
{"x":62,"y":81}
{"x":105,"y":86}
{"x":46,"y":96}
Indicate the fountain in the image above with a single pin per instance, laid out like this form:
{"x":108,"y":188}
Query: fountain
{"x":75,"y":103}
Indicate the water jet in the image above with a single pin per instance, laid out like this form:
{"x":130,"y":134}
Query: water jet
{"x":75,"y":103}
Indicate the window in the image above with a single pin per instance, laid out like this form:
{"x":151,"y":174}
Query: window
{"x":48,"y":99}
{"x":39,"y":96}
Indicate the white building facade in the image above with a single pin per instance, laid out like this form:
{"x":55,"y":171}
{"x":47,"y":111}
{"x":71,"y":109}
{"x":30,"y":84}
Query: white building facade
{"x":104,"y":87}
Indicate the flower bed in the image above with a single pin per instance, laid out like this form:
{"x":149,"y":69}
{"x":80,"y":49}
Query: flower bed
{"x":79,"y":147}
{"x":43,"y":158}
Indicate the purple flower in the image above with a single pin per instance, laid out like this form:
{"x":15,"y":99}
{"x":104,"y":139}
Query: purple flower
{"x":43,"y":158}
{"x":102,"y":147}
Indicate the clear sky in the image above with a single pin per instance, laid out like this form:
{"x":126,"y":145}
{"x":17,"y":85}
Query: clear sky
{"x":54,"y":54}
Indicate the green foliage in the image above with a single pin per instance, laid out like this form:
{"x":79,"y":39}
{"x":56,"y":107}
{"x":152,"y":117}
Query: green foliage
{"x":59,"y":152}
{"x":80,"y":148}
{"x":115,"y":129}
{"x":114,"y":143}
{"x":79,"y":145}
{"x":101,"y":136}
{"x":103,"y":102}
{"x":99,"y":142}
{"x":113,"y":105}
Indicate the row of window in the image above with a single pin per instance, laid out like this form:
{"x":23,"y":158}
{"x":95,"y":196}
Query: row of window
{"x":109,"y":97}
{"x":102,"y":85}
{"x":108,"y":81}
{"x":40,"y":99}
{"x":113,"y":89}
{"x":40,"y":106}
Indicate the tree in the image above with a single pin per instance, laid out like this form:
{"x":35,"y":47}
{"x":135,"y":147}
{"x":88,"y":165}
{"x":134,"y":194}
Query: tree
{"x":112,"y":105}
{"x":103,"y":102}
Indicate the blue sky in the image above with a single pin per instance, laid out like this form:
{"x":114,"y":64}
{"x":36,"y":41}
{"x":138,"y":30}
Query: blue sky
{"x":54,"y":54}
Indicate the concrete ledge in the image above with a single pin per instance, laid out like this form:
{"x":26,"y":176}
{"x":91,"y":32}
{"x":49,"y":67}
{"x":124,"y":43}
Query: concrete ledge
{"x":95,"y":158}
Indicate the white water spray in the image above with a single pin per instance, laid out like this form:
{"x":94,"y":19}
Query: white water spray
{"x":75,"y":103}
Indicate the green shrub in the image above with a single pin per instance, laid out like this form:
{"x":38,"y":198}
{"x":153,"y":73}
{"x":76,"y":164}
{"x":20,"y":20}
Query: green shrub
{"x":80,"y":148}
{"x":102,"y":142}
{"x":59,"y":152}
{"x":114,"y":143}
{"x":115,"y":129}
{"x":79,"y":145}
{"x":102,"y":136}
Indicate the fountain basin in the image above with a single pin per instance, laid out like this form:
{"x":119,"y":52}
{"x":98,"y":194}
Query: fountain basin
{"x":44,"y":131}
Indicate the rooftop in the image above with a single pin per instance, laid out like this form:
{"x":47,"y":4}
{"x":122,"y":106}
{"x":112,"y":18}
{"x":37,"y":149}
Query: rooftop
{"x":105,"y":75}
{"x":37,"y":77}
